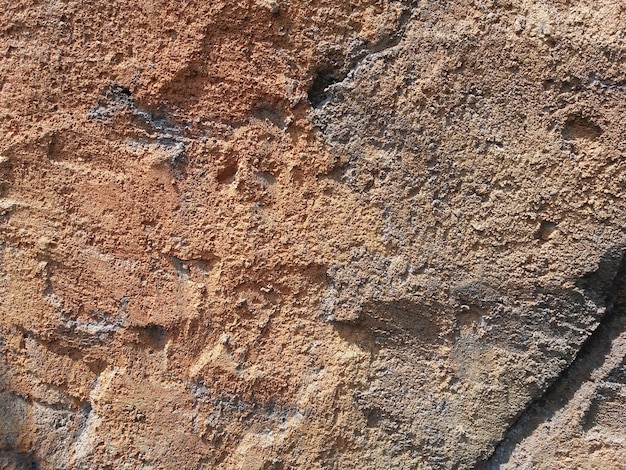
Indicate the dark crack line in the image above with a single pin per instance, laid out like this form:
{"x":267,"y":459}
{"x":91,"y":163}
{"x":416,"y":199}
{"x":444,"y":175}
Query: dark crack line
{"x":319,"y":93}
{"x":590,"y":357}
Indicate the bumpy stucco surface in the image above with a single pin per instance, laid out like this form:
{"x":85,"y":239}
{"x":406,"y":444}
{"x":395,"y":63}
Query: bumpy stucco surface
{"x":280,"y":234}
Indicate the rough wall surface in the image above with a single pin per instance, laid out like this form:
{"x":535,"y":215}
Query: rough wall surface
{"x":276,"y":234}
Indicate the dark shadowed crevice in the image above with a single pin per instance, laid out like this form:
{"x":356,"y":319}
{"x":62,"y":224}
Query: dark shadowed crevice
{"x":18,"y":461}
{"x":590,"y":357}
{"x":336,"y":71}
{"x":318,"y":94}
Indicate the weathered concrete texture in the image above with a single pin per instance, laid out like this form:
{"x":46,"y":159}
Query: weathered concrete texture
{"x":483,"y":144}
{"x":276,"y":234}
{"x":579,"y":422}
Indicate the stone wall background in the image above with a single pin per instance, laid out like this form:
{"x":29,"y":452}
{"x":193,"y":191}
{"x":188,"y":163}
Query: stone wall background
{"x":276,"y":234}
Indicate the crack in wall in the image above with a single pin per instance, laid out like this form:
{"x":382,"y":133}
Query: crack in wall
{"x":18,"y":460}
{"x":319,"y":92}
{"x":592,"y":356}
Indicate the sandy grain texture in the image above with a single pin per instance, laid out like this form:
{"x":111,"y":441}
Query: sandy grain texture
{"x":276,"y":234}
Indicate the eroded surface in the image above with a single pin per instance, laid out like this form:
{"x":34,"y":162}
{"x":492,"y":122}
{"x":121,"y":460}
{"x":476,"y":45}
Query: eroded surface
{"x":306,"y":235}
